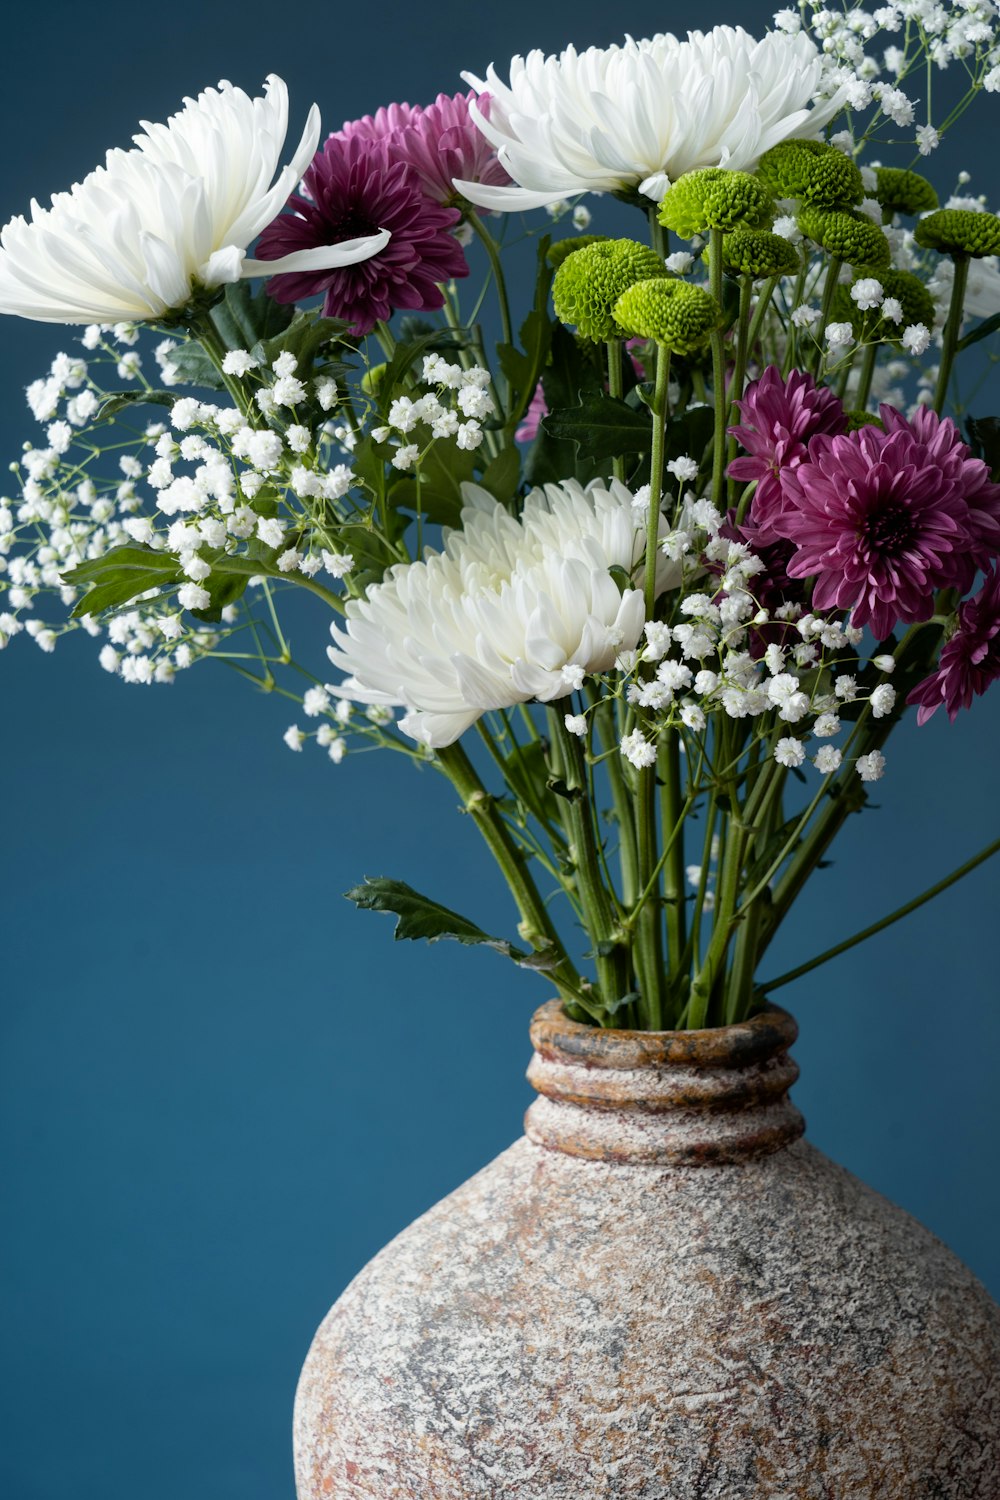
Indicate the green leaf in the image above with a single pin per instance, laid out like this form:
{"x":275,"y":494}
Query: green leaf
{"x":435,"y":490}
{"x":420,"y":917}
{"x":192,"y":366}
{"x":119,"y":401}
{"x":523,"y":367}
{"x":502,"y":475}
{"x":119,"y":576}
{"x":981,"y":331}
{"x":602,"y":427}
{"x":305,"y":337}
{"x":245,"y":318}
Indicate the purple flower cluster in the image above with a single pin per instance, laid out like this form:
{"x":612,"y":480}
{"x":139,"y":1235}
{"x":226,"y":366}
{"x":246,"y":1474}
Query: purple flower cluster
{"x":880,"y":519}
{"x":389,"y":171}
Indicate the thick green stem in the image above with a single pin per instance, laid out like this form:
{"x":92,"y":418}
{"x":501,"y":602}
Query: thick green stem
{"x":616,"y":386}
{"x":496,"y":266}
{"x":865,"y":377}
{"x":536,"y":924}
{"x":672,"y":802}
{"x":656,"y":458}
{"x":718,"y":373}
{"x":829,"y":292}
{"x":603,"y":928}
{"x":622,"y":801}
{"x":952,"y":329}
{"x":900,"y":912}
{"x":735,"y":390}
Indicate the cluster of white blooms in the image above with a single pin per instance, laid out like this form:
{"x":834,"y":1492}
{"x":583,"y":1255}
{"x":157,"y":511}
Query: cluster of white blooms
{"x":455,"y":403}
{"x":723,"y":653}
{"x":870,"y":53}
{"x":209,"y":484}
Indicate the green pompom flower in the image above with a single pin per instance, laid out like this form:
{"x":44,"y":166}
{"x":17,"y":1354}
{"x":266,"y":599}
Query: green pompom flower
{"x":900,"y":191}
{"x":847,"y":235}
{"x":757,"y":253}
{"x":713,"y":198}
{"x":673,"y":313}
{"x":588,"y":284}
{"x":562,"y":249}
{"x":814,"y":171}
{"x":960,"y":231}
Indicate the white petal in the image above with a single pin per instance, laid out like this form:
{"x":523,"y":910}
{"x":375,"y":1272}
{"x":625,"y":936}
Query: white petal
{"x":322,"y":258}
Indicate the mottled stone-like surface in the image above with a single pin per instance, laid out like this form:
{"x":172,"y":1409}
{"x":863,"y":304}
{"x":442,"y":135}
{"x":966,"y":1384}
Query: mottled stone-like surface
{"x":612,"y":1322}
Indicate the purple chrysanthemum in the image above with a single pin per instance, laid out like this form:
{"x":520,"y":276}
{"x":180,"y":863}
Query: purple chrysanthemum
{"x":944,"y":447}
{"x":440,"y":141}
{"x":778,"y":419}
{"x":970,"y":661}
{"x":877,"y":523}
{"x":351,"y":185}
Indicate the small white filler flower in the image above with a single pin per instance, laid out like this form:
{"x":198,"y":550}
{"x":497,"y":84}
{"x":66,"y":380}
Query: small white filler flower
{"x":497,"y":616}
{"x":137,"y":237}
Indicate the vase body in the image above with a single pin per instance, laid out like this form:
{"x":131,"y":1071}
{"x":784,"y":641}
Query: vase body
{"x":660,"y":1293}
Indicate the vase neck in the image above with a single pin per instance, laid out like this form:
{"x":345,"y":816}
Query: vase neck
{"x":678,"y":1098}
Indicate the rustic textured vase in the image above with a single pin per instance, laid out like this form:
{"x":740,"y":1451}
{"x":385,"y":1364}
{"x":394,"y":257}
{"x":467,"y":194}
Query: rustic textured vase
{"x":661,"y":1293}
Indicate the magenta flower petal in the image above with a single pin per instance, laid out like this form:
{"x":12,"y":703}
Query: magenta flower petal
{"x":878,"y":525}
{"x":778,"y":419}
{"x":969,"y":661}
{"x":352,"y":188}
{"x":440,"y":141}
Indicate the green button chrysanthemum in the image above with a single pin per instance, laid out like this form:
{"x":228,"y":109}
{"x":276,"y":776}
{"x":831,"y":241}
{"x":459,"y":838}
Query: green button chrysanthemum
{"x":673,"y":313}
{"x":814,"y":171}
{"x":847,"y":235}
{"x":588,"y":284}
{"x":900,"y":191}
{"x":713,"y":198}
{"x":557,"y":253}
{"x":756,"y":252}
{"x":960,"y":231}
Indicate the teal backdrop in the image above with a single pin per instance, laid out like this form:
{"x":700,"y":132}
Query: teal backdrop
{"x":223,"y":1088}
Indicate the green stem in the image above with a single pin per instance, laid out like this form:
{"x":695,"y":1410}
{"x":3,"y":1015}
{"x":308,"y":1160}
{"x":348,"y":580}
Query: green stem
{"x":616,"y":386}
{"x":718,"y":373}
{"x":673,"y":826}
{"x":902,"y":911}
{"x":656,"y":457}
{"x":865,"y":378}
{"x":735,"y":390}
{"x":767,"y":291}
{"x":536,"y":924}
{"x":659,"y":236}
{"x":493,"y":253}
{"x":829,"y":291}
{"x":601,"y":919}
{"x":214,"y":346}
{"x":623,"y":806}
{"x":952,"y":329}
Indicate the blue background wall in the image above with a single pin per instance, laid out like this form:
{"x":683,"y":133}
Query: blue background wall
{"x":223,"y":1088}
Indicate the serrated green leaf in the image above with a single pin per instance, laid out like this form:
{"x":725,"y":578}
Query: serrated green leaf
{"x":601,"y":427}
{"x":119,"y":576}
{"x":245,"y":318}
{"x":305,"y":337}
{"x":418,"y":917}
{"x":119,"y":401}
{"x":192,"y":366}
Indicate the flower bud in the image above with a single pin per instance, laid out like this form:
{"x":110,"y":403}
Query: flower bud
{"x":814,"y":171}
{"x":713,"y":198}
{"x":675,"y":314}
{"x":588,"y":284}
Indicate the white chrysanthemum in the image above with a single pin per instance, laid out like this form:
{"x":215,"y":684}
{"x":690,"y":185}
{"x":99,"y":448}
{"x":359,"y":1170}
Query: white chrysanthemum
{"x":503,"y":611}
{"x":638,"y":116}
{"x":138,"y":235}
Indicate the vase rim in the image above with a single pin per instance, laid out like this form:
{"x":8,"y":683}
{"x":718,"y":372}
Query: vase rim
{"x":771,"y":1031}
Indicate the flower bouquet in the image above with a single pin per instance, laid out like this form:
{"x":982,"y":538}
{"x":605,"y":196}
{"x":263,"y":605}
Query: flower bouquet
{"x":650,"y":584}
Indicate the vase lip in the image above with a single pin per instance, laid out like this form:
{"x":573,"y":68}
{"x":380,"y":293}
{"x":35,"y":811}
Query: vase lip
{"x":766,"y":1034}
